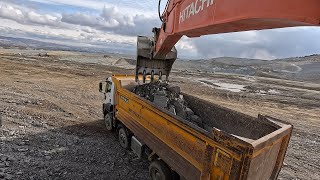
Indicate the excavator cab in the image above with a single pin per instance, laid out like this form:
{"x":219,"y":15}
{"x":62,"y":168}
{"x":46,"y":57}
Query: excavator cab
{"x":149,"y":66}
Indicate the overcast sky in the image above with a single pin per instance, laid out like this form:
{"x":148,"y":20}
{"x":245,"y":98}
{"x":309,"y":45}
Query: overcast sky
{"x":116,"y":23}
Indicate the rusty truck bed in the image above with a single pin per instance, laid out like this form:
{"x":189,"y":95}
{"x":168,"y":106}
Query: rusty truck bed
{"x":234,"y":146}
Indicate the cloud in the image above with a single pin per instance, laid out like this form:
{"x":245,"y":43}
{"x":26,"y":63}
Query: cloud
{"x":266,"y":44}
{"x":46,"y":19}
{"x":86,"y":20}
{"x":9,"y":12}
{"x":102,"y":23}
{"x":127,"y":6}
{"x":112,"y":20}
{"x":63,"y":35}
{"x":25,"y":16}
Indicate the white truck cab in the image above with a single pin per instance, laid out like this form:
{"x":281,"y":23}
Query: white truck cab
{"x":107,"y":88}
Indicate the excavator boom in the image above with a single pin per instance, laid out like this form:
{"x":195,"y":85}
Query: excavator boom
{"x":195,"y":18}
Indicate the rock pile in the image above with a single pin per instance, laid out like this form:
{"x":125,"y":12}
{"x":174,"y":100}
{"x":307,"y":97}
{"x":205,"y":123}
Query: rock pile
{"x":170,"y":98}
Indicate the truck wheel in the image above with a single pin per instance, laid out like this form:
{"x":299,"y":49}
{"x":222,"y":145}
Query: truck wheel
{"x":123,"y":137}
{"x":108,"y":121}
{"x":160,"y":171}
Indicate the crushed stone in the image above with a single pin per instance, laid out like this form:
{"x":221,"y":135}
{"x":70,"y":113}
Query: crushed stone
{"x":168,"y":97}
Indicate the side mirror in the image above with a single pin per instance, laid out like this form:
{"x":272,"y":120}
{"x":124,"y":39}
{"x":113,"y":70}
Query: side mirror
{"x":100,"y":87}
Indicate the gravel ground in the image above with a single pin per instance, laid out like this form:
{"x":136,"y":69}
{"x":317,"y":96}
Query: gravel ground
{"x":52,"y":124}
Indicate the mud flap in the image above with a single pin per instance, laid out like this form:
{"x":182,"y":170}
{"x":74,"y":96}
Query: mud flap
{"x":137,"y":146}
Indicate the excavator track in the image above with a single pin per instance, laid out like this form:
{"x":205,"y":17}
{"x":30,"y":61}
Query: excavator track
{"x":147,"y":65}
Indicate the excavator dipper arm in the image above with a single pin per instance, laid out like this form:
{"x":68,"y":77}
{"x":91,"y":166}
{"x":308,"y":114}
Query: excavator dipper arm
{"x":194,"y":18}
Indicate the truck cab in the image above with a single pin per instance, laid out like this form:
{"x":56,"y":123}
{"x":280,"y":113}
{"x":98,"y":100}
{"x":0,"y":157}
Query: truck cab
{"x":108,"y":89}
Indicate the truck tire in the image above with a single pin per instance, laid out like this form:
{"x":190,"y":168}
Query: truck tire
{"x":160,"y":171}
{"x":123,"y":137}
{"x":108,"y":121}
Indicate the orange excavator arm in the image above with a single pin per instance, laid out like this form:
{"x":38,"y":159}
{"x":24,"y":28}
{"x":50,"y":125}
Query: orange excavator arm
{"x":194,"y":18}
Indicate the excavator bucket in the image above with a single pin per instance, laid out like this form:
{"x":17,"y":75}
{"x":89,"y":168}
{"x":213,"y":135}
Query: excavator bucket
{"x":147,"y":65}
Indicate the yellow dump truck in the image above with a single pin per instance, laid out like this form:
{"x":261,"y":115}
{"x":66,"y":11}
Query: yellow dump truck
{"x":236,"y":146}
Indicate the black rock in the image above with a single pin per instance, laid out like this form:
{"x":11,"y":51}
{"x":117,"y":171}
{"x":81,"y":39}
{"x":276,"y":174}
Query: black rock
{"x":180,"y":110}
{"x":174,"y":89}
{"x":189,"y":112}
{"x":172,"y":109}
{"x":161,"y":101}
{"x":168,"y":97}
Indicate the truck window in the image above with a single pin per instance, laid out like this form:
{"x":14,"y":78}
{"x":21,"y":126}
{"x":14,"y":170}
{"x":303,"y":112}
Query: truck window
{"x":108,"y":87}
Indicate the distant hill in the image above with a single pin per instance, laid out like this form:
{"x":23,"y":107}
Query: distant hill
{"x":25,"y":43}
{"x":299,"y":68}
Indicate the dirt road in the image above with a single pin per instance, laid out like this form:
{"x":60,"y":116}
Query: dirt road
{"x":52,"y":124}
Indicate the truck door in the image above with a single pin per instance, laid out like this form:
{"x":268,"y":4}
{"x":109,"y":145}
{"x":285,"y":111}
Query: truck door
{"x":109,"y":98}
{"x":107,"y":89}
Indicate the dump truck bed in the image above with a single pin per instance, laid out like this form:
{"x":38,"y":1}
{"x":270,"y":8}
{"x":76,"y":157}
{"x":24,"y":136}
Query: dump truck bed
{"x":233,"y":146}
